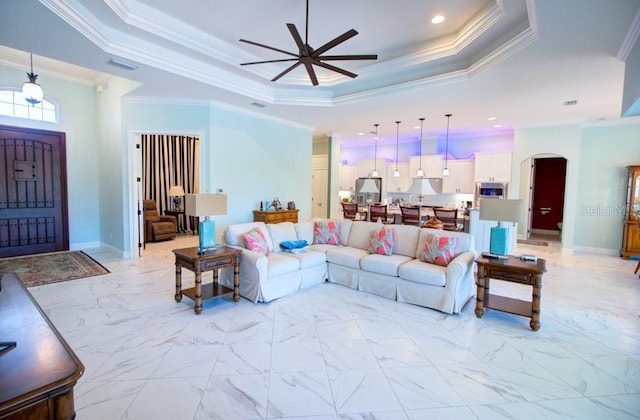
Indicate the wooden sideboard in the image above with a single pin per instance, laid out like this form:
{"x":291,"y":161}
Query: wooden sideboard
{"x":276,"y":216}
{"x":631,"y":225}
{"x":38,"y":374}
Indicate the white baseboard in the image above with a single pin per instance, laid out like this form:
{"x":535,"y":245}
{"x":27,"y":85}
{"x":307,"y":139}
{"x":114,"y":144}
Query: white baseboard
{"x":594,"y":250}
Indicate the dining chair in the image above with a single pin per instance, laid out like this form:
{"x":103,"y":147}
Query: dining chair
{"x":448,"y":217}
{"x":410,"y":215}
{"x":349,"y":210}
{"x":380,"y":211}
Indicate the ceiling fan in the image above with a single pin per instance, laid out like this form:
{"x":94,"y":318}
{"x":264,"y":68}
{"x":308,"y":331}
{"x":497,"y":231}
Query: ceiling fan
{"x":310,"y":57}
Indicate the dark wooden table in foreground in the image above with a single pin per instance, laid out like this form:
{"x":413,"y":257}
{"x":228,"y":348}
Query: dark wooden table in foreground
{"x":37,"y":376}
{"x":213,"y":260}
{"x":514,"y":270}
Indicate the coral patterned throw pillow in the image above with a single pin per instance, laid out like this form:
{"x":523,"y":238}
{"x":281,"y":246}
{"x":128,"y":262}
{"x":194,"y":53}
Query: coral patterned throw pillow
{"x":381,"y":241}
{"x":255,"y":241}
{"x":439,"y":250}
{"x":326,"y":233}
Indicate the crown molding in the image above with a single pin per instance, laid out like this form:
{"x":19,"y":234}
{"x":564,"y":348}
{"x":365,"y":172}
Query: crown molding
{"x":630,"y":39}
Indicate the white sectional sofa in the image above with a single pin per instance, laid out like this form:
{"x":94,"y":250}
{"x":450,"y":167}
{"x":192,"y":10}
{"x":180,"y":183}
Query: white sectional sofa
{"x":402,"y":276}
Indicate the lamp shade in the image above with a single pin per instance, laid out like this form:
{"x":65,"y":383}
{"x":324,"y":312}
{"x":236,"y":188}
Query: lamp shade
{"x":500,"y":210}
{"x":369,"y":186}
{"x":425,"y":186}
{"x":201,"y":205}
{"x":176,"y":191}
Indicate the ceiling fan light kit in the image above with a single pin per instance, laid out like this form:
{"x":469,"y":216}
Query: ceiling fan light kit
{"x":310,"y":57}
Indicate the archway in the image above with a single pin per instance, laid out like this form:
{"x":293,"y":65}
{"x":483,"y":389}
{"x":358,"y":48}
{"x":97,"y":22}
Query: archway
{"x":542,"y":188}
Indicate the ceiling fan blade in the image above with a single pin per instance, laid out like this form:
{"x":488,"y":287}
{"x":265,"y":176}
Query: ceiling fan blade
{"x":270,"y":61}
{"x":308,"y":63}
{"x":338,"y":40}
{"x":336,"y":69}
{"x":268,"y":47}
{"x":286,"y":71}
{"x":296,"y":37}
{"x":348,"y":57}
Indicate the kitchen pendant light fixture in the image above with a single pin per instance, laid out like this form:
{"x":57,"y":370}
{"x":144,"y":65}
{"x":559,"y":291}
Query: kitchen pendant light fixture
{"x":445,"y":171}
{"x":375,"y":174}
{"x":420,"y":172}
{"x":31,"y":90}
{"x":396,"y":173}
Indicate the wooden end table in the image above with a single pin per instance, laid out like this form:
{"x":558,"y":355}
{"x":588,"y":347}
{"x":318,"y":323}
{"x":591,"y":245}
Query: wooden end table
{"x":221,"y":256}
{"x":515,"y":270}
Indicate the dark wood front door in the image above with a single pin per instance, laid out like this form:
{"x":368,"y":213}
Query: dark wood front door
{"x":33,"y":193}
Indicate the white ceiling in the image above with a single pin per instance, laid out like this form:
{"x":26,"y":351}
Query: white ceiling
{"x":517,"y":60}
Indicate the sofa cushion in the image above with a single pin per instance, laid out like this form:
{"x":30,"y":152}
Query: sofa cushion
{"x":422,"y":272}
{"x":309,"y":259}
{"x":383,"y":264}
{"x":321,"y":247}
{"x":281,"y":232}
{"x":381,"y":241}
{"x":464,"y":240}
{"x":406,"y":240}
{"x":255,"y":241}
{"x":234,"y":234}
{"x":346,"y":256}
{"x":281,"y":263}
{"x":304,"y":231}
{"x":326,"y":232}
{"x":359,"y":236}
{"x":439,"y":249}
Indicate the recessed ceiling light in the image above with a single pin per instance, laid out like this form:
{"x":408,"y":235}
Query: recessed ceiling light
{"x":497,"y":126}
{"x":569,"y":103}
{"x":492,"y":118}
{"x":437,"y":19}
{"x":417,"y":127}
{"x":361,"y":133}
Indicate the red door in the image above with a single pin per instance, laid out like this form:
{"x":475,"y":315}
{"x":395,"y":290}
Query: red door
{"x":548,"y":193}
{"x":33,"y":194}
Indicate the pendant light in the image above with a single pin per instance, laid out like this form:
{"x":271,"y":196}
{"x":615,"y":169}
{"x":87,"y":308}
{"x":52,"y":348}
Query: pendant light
{"x":445,"y":171}
{"x":375,"y":174}
{"x":31,"y":90}
{"x":420,"y":172}
{"x":396,"y":173}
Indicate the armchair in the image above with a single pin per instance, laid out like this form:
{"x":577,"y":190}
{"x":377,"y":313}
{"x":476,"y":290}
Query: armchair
{"x":156,"y":227}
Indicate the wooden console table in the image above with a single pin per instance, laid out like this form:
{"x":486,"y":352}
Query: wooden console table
{"x":38,"y":374}
{"x":276,"y":216}
{"x":222,"y":256}
{"x":514,"y":270}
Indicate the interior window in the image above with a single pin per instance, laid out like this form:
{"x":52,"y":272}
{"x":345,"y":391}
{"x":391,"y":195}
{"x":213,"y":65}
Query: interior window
{"x":13,"y":104}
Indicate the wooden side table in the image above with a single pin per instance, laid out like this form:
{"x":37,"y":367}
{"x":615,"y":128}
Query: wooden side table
{"x":181,"y":219}
{"x":515,"y":270}
{"x":222,"y":256}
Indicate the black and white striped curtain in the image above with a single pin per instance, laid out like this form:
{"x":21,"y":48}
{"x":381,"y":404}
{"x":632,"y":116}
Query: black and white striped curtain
{"x":168,"y":160}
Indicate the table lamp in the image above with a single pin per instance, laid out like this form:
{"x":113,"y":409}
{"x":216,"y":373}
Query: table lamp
{"x":369,"y":186}
{"x":501,"y":211}
{"x":203,"y":206}
{"x":176,"y":191}
{"x":421,"y":187}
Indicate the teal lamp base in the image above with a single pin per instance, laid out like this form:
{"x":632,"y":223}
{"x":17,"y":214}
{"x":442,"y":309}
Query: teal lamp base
{"x":207,"y":235}
{"x":498,"y":241}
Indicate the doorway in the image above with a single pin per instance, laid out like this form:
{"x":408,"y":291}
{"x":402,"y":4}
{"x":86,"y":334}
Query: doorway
{"x":33,"y":192}
{"x":547,"y":180}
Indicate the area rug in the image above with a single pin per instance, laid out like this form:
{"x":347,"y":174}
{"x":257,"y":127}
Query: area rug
{"x":38,"y":270}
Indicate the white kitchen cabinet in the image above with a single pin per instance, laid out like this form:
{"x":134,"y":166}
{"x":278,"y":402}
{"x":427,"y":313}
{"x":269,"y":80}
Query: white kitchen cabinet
{"x":432,"y":165}
{"x":347,"y":177}
{"x":460,"y":179}
{"x":493,"y":167}
{"x":366,"y":167}
{"x":401,"y":183}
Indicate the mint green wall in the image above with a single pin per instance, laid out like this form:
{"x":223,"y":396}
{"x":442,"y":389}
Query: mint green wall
{"x":77,"y":119}
{"x":596,"y":156}
{"x":602,"y":183}
{"x":255,"y":160}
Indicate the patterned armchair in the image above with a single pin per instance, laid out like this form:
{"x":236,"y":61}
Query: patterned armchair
{"x":156,"y":227}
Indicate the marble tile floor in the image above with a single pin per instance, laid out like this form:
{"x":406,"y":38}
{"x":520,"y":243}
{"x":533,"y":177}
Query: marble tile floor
{"x":330,"y":352}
